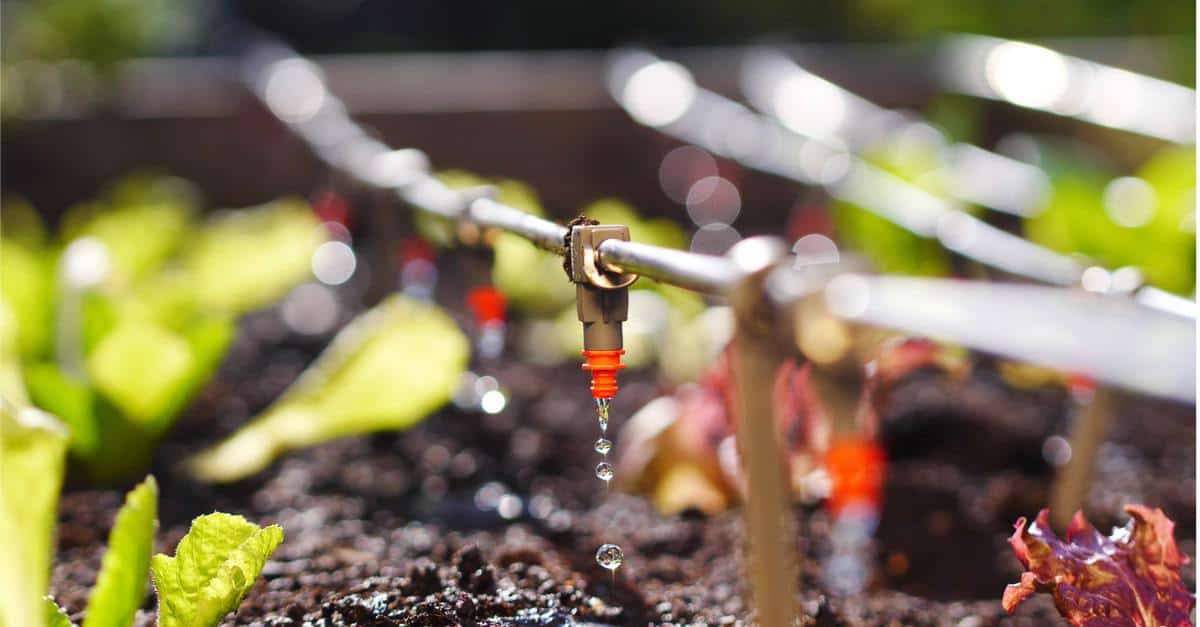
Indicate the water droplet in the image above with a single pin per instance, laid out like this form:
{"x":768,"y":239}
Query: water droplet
{"x":609,"y":556}
{"x":604,"y":470}
{"x":602,"y":413}
{"x":603,"y":446}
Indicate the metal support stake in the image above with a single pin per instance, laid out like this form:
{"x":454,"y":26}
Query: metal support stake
{"x":770,"y":531}
{"x":1089,"y":429}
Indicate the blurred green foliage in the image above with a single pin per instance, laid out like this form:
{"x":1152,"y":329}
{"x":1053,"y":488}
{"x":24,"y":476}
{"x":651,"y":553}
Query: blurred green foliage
{"x":100,"y":31}
{"x":913,"y":156}
{"x":118,"y":361}
{"x":105,"y":31}
{"x":244,"y":260}
{"x":1079,"y":217}
{"x":32,"y":454}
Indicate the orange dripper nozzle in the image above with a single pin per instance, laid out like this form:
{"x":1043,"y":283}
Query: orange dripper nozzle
{"x":603,"y":364}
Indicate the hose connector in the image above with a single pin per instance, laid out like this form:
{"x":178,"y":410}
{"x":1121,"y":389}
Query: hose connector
{"x":602,"y":301}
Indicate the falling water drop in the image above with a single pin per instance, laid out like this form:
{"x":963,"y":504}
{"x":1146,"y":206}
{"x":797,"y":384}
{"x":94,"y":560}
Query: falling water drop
{"x":603,"y":446}
{"x":609,"y":556}
{"x":602,"y":413}
{"x":604,"y":470}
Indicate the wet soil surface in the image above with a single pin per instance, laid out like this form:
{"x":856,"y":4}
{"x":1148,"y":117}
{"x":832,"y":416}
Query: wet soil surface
{"x":479,"y":519}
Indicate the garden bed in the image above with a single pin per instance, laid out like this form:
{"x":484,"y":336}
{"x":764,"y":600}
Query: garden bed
{"x":421,"y":527}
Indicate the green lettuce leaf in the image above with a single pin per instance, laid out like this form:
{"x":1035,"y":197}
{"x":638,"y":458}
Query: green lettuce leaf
{"x":139,"y":366}
{"x":12,"y":385}
{"x":55,"y":616}
{"x":388,"y":369}
{"x":150,"y":187}
{"x":247,"y":259}
{"x":25,"y":284}
{"x":1077,"y":220}
{"x":21,"y":223}
{"x":140,"y":238}
{"x":70,"y":400}
{"x":121,"y":584}
{"x":212,"y":570}
{"x":33,"y":446}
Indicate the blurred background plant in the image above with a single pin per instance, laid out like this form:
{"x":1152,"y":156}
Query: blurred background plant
{"x":100,"y":32}
{"x":119,"y":318}
{"x":103,"y":32}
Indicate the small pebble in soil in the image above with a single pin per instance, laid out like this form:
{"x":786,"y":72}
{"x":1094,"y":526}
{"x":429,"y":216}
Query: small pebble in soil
{"x":603,"y":446}
{"x":604,"y":470}
{"x":609,"y":556}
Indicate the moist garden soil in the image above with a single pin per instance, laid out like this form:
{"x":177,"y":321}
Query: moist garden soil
{"x":389,"y":530}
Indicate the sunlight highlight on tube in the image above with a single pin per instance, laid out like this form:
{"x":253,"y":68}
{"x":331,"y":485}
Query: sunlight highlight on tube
{"x":1129,"y":201}
{"x":1027,"y":75}
{"x":810,"y":105}
{"x":294,"y":90}
{"x":659,"y":93}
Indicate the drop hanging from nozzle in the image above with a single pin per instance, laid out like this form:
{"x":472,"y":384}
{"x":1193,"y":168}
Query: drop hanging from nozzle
{"x":602,"y":301}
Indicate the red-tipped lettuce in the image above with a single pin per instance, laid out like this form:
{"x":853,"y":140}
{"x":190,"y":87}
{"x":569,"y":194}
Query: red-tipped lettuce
{"x":1128,"y":578}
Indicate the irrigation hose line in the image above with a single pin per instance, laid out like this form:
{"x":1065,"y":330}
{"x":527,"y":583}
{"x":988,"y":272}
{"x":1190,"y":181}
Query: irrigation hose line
{"x":700,"y":117}
{"x":348,"y":150}
{"x":293,"y":89}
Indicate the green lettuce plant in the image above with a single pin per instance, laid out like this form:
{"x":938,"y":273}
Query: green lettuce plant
{"x":33,"y":445}
{"x":26,"y":286}
{"x":388,"y":369}
{"x":121,"y":585}
{"x":214,"y":567}
{"x":244,"y":260}
{"x":143,"y":341}
{"x":216,"y":563}
{"x":1076,"y":220}
{"x":12,"y":385}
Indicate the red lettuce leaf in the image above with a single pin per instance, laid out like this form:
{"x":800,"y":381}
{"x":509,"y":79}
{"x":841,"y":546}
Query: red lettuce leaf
{"x":1128,"y":578}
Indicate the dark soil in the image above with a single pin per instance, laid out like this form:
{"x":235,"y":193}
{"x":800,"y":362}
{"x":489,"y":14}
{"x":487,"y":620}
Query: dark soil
{"x":386,"y":529}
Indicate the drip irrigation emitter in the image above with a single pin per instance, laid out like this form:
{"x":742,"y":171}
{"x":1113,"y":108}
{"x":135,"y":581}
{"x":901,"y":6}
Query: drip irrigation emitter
{"x":601,"y":300}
